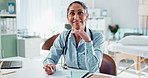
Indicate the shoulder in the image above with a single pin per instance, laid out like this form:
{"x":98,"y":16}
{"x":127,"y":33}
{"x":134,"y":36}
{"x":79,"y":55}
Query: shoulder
{"x":64,"y":34}
{"x":97,"y":34}
{"x":60,"y":40}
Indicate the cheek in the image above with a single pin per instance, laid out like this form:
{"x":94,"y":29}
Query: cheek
{"x":82,"y":18}
{"x":70,"y":20}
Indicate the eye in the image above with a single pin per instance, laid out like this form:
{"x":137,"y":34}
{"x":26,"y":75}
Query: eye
{"x":80,"y":13}
{"x":72,"y":14}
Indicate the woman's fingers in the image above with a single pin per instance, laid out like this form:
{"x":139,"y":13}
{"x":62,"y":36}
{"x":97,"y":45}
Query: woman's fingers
{"x":74,"y":31}
{"x":53,"y":67}
{"x":49,"y":69}
{"x":49,"y":72}
{"x":81,"y":33}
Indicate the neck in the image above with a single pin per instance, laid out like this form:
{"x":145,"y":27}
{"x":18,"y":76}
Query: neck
{"x":77,"y":36}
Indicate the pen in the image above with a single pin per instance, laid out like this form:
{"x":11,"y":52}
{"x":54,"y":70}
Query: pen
{"x":51,"y":69}
{"x":9,"y":73}
{"x":85,"y":75}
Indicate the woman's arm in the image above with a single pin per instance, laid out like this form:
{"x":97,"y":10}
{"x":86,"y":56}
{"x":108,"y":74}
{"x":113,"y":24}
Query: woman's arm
{"x":94,"y":53}
{"x":56,"y":50}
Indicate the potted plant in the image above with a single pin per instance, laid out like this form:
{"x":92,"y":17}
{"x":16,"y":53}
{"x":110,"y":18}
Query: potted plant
{"x":113,"y":29}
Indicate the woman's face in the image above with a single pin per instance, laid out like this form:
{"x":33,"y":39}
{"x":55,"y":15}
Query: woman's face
{"x":77,"y":16}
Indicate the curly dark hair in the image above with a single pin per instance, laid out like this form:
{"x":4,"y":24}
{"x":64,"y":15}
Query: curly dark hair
{"x":81,"y":3}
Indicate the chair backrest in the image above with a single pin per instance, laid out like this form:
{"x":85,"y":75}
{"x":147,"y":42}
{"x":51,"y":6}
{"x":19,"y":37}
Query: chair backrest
{"x":108,"y":65}
{"x":49,"y":42}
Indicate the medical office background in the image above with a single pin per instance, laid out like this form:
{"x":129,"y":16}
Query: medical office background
{"x":34,"y":21}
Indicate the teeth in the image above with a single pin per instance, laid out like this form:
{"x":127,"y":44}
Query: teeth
{"x":76,"y":22}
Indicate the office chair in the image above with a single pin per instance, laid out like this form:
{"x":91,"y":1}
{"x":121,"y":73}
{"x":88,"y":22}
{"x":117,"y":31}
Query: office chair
{"x":49,"y":42}
{"x":108,"y":65}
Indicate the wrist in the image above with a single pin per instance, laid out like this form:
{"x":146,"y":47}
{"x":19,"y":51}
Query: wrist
{"x":88,"y":41}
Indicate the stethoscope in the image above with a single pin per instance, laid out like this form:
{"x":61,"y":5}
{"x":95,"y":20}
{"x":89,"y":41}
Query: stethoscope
{"x":64,"y":66}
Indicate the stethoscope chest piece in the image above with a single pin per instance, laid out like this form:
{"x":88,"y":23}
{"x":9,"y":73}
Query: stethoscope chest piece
{"x":65,"y":66}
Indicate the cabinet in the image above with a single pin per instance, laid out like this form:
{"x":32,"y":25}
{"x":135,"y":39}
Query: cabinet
{"x":8,"y":46}
{"x":8,"y":35}
{"x":29,"y":47}
{"x":8,"y":24}
{"x":8,"y":29}
{"x":100,"y":24}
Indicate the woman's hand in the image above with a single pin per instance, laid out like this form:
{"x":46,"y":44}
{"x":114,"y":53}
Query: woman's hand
{"x":82,"y":34}
{"x":50,"y":69}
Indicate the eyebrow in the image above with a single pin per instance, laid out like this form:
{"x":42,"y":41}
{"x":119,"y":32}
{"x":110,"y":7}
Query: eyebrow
{"x":77,"y":10}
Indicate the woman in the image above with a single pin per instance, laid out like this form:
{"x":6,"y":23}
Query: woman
{"x":82,"y":52}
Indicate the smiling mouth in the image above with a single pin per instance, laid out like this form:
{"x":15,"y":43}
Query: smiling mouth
{"x":76,"y":22}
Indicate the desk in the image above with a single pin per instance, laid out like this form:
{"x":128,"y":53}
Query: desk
{"x":33,"y":68}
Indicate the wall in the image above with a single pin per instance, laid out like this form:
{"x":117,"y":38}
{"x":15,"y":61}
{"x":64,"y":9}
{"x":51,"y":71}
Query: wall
{"x":122,"y":12}
{"x":2,"y":4}
{"x":39,"y":16}
{"x":46,"y":15}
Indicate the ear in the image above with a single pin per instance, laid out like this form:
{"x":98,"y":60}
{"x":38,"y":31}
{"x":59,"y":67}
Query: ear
{"x":68,"y":20}
{"x":67,"y":17}
{"x":87,"y":16}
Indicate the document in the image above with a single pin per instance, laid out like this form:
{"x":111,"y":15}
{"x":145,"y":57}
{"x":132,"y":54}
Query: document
{"x":77,"y":74}
{"x":60,"y":74}
{"x":67,"y":74}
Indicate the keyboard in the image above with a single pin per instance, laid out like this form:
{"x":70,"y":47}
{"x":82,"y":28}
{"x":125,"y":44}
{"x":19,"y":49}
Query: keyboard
{"x":11,"y":64}
{"x":6,"y":64}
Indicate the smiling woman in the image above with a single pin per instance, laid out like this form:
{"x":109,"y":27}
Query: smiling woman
{"x":81,"y":47}
{"x":77,"y":15}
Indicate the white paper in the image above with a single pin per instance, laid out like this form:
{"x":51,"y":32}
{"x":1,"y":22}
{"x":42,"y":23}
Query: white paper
{"x":60,"y":74}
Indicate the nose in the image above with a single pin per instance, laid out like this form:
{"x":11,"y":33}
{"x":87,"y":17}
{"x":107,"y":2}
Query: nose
{"x":76,"y":17}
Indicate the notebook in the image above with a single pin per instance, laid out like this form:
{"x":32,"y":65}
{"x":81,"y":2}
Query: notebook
{"x":90,"y":75}
{"x":77,"y":74}
{"x":11,"y":64}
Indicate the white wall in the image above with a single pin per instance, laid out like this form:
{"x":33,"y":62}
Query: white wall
{"x":47,"y":14}
{"x":122,"y":12}
{"x":38,"y":16}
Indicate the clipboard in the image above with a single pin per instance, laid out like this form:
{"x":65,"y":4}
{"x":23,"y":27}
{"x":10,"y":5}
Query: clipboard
{"x":99,"y":76}
{"x":90,"y":75}
{"x":77,"y":74}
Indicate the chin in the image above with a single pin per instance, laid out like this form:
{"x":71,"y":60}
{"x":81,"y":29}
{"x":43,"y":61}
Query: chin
{"x":77,"y":28}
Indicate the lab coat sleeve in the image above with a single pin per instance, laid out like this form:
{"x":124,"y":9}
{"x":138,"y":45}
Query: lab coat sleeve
{"x":55,"y":51}
{"x":94,"y":53}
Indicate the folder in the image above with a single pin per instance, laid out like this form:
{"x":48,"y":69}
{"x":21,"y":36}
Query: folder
{"x":77,"y":74}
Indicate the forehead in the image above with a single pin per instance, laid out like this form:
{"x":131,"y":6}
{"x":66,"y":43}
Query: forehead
{"x":75,"y":6}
